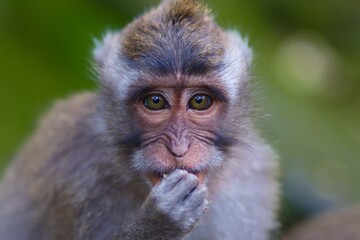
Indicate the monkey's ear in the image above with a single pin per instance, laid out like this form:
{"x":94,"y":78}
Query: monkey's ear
{"x":106,"y":49}
{"x":111,"y":70}
{"x":238,"y":58}
{"x":238,"y":50}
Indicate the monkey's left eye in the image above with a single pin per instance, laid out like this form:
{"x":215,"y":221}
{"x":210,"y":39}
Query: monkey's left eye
{"x":155,"y":102}
{"x":200,"y":102}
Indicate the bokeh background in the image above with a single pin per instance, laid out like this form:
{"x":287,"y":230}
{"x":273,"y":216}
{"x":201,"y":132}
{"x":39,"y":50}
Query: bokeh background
{"x":306,"y":74}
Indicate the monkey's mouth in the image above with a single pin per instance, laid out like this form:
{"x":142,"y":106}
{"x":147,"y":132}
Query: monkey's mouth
{"x":155,"y":178}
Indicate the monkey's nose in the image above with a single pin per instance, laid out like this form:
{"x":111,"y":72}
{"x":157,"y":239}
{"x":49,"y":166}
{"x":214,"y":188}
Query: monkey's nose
{"x":179,"y":148}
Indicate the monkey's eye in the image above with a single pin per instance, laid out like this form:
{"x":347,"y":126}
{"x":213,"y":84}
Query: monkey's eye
{"x":200,"y":102}
{"x":155,"y":102}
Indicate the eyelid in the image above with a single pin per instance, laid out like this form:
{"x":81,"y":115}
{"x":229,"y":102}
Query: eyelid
{"x":200,"y":93}
{"x":151,"y":93}
{"x":214,"y":93}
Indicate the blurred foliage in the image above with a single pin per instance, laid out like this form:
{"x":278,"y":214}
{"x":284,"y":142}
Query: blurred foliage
{"x":306,"y":68}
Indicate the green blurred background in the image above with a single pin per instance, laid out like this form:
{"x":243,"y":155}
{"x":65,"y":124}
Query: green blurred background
{"x":306,"y":69}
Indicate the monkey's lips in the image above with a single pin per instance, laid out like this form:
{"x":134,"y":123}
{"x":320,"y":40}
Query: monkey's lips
{"x":155,"y":178}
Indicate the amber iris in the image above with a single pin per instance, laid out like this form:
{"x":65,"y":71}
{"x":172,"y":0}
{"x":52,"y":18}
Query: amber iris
{"x":155,"y":102}
{"x":200,"y":102}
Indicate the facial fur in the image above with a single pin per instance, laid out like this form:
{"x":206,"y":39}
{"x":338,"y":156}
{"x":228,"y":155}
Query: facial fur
{"x":166,"y":143}
{"x":177,"y":51}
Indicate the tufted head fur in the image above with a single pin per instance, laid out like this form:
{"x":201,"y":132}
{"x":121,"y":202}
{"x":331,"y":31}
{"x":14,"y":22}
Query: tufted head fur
{"x":179,"y":37}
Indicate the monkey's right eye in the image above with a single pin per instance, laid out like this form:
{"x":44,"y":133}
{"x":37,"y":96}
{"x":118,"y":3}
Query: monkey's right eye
{"x":155,"y":102}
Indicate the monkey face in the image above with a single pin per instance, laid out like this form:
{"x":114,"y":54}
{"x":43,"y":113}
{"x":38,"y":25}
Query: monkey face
{"x":179,"y":127}
{"x":174,"y":89}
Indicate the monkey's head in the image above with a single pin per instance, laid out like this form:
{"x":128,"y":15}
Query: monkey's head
{"x":174,"y":90}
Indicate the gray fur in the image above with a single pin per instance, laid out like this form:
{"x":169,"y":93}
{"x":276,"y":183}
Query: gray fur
{"x":83,"y":174}
{"x":71,"y":185}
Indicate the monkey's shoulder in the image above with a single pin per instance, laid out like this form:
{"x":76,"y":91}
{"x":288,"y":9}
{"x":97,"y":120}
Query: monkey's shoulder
{"x":61,"y":132}
{"x":69,"y":111}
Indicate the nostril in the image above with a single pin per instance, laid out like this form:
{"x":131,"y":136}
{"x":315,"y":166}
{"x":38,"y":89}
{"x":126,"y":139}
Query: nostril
{"x":178,"y":149}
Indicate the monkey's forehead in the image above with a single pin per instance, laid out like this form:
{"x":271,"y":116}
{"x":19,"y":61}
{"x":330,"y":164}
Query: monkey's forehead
{"x":173,"y":39}
{"x":178,"y":37}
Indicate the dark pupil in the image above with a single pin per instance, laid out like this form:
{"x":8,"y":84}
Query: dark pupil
{"x":199,"y":99}
{"x":156,"y":99}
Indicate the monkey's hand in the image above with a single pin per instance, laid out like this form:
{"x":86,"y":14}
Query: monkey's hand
{"x":180,"y":198}
{"x":171,"y":210}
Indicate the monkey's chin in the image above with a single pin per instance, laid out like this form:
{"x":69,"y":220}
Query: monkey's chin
{"x":156,"y":178}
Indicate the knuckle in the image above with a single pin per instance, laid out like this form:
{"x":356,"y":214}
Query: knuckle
{"x":192,"y":177}
{"x":179,"y":172}
{"x":201,"y":192}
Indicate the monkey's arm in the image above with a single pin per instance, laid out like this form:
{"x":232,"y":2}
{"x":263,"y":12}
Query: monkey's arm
{"x":171,"y":210}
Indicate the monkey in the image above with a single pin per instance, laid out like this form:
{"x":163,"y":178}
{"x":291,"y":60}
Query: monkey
{"x":165,"y":148}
